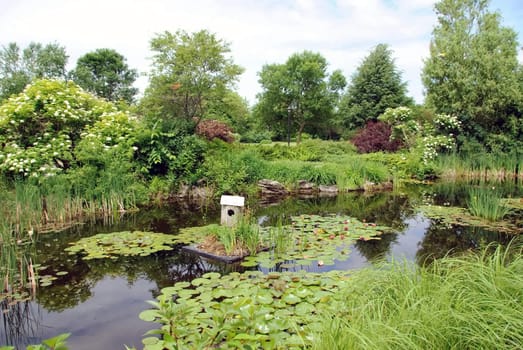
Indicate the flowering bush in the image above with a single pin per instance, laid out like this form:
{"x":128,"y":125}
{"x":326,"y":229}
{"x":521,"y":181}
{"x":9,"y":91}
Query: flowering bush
{"x":40,"y":127}
{"x":432,"y":145}
{"x":404,"y":127}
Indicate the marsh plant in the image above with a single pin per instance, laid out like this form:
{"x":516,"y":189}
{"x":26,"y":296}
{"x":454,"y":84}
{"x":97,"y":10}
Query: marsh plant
{"x":462,"y":302}
{"x":487,"y":203}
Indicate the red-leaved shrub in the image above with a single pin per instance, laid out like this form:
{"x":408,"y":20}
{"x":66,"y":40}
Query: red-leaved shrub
{"x":211,"y":129}
{"x":374,"y":137}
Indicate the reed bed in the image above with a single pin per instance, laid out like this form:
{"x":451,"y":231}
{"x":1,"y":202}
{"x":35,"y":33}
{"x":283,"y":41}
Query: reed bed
{"x":469,"y":302}
{"x":485,"y":166}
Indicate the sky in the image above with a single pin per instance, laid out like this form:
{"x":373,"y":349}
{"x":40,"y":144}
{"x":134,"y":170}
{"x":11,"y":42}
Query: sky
{"x":259,"y":31}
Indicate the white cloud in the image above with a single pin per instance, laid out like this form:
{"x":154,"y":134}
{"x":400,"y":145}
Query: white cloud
{"x":260,"y":32}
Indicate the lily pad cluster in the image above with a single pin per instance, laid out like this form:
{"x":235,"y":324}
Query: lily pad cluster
{"x":249,"y":310}
{"x":462,"y":217}
{"x":125,"y":243}
{"x":317,"y":239}
{"x":306,"y":240}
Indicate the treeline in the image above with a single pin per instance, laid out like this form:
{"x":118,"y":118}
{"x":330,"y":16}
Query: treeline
{"x":52,"y":121}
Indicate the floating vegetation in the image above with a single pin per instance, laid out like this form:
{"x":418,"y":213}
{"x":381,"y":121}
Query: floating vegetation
{"x":125,"y":243}
{"x":308,"y":239}
{"x":248,"y":311}
{"x":462,"y":217}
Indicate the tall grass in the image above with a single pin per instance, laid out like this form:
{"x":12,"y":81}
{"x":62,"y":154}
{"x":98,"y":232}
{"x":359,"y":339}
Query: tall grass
{"x":470,"y":302}
{"x":30,"y":206}
{"x":486,"y":166}
{"x":486,"y":203}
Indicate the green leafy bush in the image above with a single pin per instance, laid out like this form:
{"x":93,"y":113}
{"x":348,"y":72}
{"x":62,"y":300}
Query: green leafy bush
{"x":40,"y":127}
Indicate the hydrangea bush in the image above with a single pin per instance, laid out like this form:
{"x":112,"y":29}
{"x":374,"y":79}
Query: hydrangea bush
{"x":429,"y":138}
{"x":41,"y":127}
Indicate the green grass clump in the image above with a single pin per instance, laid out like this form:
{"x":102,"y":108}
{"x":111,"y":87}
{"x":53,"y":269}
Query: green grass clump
{"x":472,"y":302}
{"x":487,"y":204}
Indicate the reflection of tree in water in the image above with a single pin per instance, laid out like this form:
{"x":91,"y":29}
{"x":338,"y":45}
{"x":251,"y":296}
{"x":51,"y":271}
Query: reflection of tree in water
{"x":441,"y":240}
{"x":375,"y":250}
{"x":20,"y":323}
{"x":385,"y":208}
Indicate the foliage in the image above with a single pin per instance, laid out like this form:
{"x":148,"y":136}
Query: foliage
{"x":125,"y":243}
{"x":211,"y":129}
{"x":486,"y":203}
{"x":105,"y":74}
{"x":374,"y":87}
{"x":40,"y":127}
{"x":405,"y":128}
{"x":375,"y":137}
{"x":55,"y":343}
{"x":456,"y":302}
{"x":473,"y":67}
{"x":19,"y":68}
{"x":233,"y":110}
{"x":190,"y":73}
{"x":297,"y":94}
{"x":313,"y":239}
{"x":464,"y":217}
{"x":249,"y":310}
{"x":230,"y":169}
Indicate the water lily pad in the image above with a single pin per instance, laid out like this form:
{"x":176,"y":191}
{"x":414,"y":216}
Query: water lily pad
{"x":125,"y":243}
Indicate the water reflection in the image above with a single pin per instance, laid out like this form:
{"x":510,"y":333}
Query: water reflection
{"x":99,"y":300}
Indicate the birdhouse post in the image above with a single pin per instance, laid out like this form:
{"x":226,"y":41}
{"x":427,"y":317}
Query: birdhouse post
{"x":232,"y":209}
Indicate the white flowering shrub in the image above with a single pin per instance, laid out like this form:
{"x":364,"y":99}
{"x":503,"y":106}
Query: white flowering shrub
{"x":445,"y":123}
{"x":40,"y":127}
{"x":404,"y":126}
{"x":434,"y":144}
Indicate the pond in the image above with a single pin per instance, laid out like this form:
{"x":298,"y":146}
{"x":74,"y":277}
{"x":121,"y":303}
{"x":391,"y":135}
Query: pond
{"x":99,"y":300}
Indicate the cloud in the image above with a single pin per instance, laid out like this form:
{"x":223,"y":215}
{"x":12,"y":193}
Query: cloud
{"x":259,"y":32}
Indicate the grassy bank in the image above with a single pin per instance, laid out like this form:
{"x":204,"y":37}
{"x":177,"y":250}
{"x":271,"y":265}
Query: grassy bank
{"x":472,"y":302}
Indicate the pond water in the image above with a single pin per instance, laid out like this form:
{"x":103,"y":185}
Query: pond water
{"x":98,"y":301}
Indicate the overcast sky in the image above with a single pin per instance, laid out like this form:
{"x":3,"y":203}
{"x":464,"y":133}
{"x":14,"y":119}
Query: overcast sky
{"x":259,"y":31}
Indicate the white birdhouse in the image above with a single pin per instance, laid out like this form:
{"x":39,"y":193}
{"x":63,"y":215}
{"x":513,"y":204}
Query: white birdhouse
{"x":232,"y":209}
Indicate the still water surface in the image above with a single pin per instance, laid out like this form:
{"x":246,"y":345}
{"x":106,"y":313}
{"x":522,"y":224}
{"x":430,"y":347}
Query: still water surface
{"x":98,"y":301}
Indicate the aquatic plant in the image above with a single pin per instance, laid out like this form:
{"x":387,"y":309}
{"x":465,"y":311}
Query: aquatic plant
{"x":486,"y":203}
{"x":125,"y":243}
{"x":249,"y":310}
{"x":308,"y":239}
{"x":463,"y":217}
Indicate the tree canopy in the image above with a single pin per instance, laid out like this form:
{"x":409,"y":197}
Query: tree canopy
{"x":375,"y":86}
{"x":298,"y":93}
{"x":105,"y":73}
{"x":472,"y":71}
{"x":189,"y":73}
{"x":19,"y":67}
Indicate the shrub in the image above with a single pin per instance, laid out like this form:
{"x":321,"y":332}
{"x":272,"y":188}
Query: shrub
{"x":375,"y":137}
{"x":213,"y":129}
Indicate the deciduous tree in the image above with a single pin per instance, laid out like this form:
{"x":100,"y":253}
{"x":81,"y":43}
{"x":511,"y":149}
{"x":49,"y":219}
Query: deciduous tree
{"x":472,"y":68}
{"x":105,"y":73}
{"x":19,"y":67}
{"x":297,"y":94}
{"x":189,"y":73}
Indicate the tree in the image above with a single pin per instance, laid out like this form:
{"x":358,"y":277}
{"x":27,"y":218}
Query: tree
{"x":190,"y":72}
{"x":375,"y":86}
{"x":472,"y":68}
{"x":297,"y":93}
{"x":105,"y":73}
{"x":19,"y":67}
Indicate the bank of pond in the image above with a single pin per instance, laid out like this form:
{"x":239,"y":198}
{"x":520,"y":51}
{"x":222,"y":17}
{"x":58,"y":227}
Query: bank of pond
{"x":417,"y":266}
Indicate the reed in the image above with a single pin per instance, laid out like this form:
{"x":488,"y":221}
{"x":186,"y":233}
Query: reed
{"x":486,"y":166}
{"x":469,"y":302}
{"x":486,"y":203}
